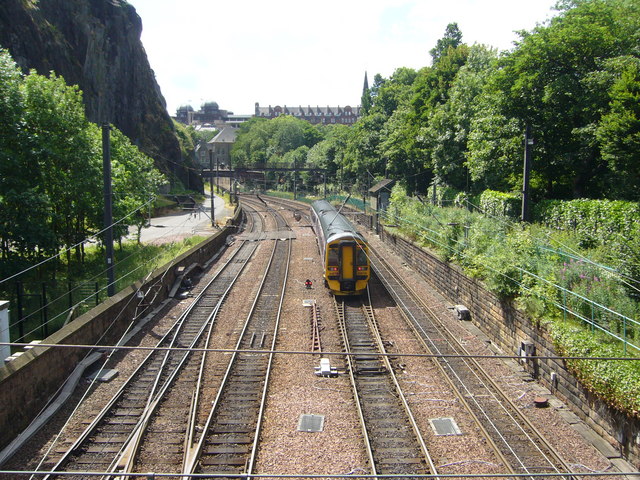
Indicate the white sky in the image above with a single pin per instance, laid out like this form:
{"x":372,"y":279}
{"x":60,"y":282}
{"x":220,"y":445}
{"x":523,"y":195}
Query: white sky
{"x":305,"y":52}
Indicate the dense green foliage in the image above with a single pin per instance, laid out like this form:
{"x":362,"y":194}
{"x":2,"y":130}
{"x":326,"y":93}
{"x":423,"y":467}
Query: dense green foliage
{"x":574,"y":80}
{"x":51,"y":195}
{"x":499,"y":204}
{"x":578,"y":282}
{"x":617,"y":382}
{"x":599,"y":223}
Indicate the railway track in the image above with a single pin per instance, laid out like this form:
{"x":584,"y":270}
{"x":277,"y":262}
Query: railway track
{"x":516,"y":441}
{"x":120,"y":439}
{"x":229,"y":439}
{"x":112,"y":440}
{"x":392,"y":438}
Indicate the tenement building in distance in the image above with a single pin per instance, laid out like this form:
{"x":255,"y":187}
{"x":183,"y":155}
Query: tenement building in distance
{"x":316,"y":115}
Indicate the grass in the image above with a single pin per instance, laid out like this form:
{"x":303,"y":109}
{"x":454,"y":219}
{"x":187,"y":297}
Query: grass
{"x":544,"y":272}
{"x":75,"y":288}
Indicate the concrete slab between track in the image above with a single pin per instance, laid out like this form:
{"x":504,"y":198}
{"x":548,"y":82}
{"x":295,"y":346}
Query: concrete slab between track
{"x":279,"y":235}
{"x":597,"y":441}
{"x":626,"y":468}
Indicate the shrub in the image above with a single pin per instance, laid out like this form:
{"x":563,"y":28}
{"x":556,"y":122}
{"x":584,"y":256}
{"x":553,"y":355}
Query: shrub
{"x":499,"y":204}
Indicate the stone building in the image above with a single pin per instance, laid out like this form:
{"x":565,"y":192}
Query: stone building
{"x":316,"y":115}
{"x":210,"y":114}
{"x":217,"y":150}
{"x":220,"y":147}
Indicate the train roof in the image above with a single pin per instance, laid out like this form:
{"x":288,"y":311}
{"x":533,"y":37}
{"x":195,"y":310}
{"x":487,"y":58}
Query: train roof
{"x":333,"y":224}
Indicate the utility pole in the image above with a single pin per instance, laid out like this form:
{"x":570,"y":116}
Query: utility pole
{"x":294,"y":179}
{"x":213,"y":210}
{"x":324,"y":181}
{"x":217,"y":175}
{"x":108,"y":215}
{"x":528,"y":144}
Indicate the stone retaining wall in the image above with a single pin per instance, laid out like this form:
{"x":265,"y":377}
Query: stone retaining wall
{"x":508,"y":328}
{"x":28,"y":382}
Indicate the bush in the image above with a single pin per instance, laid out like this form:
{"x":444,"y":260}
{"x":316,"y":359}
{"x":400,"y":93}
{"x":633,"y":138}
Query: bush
{"x":499,"y":204}
{"x":545,"y":270}
{"x":594,"y":221}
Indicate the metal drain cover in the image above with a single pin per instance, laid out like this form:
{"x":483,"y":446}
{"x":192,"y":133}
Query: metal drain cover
{"x":444,"y":426}
{"x":311,"y":423}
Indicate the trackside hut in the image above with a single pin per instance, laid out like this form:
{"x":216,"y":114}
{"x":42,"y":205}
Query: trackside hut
{"x":380,"y":194}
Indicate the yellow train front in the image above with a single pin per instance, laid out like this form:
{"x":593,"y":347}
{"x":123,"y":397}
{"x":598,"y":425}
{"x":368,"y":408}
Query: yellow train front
{"x":343,"y":251}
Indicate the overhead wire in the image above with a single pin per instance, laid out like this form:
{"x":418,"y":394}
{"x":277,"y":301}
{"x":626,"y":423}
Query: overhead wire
{"x":105,"y":362}
{"x":525,"y":287}
{"x":68,"y":249}
{"x":307,"y":352}
{"x":102,"y":289}
{"x":330,"y":353}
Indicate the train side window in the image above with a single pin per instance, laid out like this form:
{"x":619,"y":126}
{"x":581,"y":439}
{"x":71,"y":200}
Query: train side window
{"x":332,"y":257}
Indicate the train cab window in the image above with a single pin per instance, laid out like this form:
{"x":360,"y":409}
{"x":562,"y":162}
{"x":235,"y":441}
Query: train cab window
{"x":361,"y":257}
{"x":332,"y":257}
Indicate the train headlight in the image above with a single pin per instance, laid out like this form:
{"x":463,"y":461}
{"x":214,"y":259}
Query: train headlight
{"x":363,"y":269}
{"x":332,"y":269}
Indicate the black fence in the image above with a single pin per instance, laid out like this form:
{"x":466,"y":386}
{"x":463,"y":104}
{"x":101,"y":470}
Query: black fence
{"x":38,"y":309}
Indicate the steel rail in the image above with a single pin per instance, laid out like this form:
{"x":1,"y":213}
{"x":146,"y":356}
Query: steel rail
{"x":387,"y":380}
{"x":373,"y":324}
{"x":126,"y":462}
{"x":194,"y":452}
{"x":555,"y":462}
{"x":456,"y":391}
{"x":171,"y":336}
{"x":341,"y":314}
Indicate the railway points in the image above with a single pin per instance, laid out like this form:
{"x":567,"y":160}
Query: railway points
{"x":280,"y":391}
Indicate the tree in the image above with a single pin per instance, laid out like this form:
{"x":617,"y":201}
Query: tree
{"x":361,"y":155}
{"x":432,"y":85}
{"x":452,"y":39}
{"x":135,"y":183}
{"x":619,"y":131}
{"x":547,"y":82}
{"x":395,"y":91}
{"x":51,"y":168}
{"x":494,"y":156}
{"x":446,"y":135}
{"x":403,"y":154}
{"x":65,"y":152}
{"x":24,"y":206}
{"x":250,"y":147}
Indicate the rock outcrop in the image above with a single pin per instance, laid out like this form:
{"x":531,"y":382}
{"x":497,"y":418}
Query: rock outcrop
{"x":96,"y":45}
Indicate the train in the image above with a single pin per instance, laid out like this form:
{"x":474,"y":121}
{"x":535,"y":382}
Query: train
{"x":343,"y":250}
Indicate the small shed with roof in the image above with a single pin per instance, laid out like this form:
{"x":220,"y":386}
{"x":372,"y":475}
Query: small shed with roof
{"x":380,"y":194}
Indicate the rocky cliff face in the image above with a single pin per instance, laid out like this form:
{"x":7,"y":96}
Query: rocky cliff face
{"x":96,"y":45}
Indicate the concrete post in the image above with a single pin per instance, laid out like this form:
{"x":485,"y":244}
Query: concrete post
{"x":5,"y":337}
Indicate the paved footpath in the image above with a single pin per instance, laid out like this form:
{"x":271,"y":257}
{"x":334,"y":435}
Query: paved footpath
{"x":178,"y":226}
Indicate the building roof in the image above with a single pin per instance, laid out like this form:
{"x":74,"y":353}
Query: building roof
{"x":307,"y":111}
{"x":387,"y":183}
{"x":226,"y":135}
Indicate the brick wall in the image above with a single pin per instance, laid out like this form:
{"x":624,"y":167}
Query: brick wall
{"x":508,"y":327}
